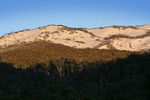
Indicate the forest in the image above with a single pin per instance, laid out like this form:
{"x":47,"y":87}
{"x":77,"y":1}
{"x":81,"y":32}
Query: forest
{"x":126,"y":78}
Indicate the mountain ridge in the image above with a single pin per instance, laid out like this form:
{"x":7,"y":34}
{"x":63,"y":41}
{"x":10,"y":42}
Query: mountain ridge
{"x":130,"y":38}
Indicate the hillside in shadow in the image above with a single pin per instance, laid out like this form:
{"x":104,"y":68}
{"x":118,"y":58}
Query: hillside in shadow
{"x":121,"y":79}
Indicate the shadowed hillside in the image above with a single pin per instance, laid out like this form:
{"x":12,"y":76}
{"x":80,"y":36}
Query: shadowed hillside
{"x":123,"y":79}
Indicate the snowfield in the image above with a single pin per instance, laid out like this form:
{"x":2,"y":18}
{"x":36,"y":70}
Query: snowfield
{"x":114,"y":37}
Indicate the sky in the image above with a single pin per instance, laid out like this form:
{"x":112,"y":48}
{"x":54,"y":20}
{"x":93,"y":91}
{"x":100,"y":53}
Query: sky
{"x":18,"y":15}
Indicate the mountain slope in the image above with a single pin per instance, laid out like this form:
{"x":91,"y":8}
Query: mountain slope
{"x":29,"y":54}
{"x":129,"y":38}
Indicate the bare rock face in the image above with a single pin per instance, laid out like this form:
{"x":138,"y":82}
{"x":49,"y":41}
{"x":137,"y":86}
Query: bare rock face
{"x":130,"y":38}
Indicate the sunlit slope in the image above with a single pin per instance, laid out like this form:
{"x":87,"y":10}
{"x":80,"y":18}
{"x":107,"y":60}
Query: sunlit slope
{"x":131,"y":38}
{"x":30,"y":54}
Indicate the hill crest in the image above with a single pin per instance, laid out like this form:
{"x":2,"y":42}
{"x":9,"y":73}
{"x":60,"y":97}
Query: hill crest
{"x":130,"y":38}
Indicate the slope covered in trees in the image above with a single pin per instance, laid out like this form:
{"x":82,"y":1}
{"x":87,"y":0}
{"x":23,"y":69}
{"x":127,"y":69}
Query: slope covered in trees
{"x":123,"y":79}
{"x":29,"y":54}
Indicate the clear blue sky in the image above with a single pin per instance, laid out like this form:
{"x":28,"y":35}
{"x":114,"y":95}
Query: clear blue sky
{"x":17,"y":15}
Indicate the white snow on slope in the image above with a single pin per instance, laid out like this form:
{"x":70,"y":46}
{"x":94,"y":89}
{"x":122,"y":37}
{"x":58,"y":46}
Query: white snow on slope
{"x":132,"y":44}
{"x":144,"y":27}
{"x":108,"y":31}
{"x":85,"y":38}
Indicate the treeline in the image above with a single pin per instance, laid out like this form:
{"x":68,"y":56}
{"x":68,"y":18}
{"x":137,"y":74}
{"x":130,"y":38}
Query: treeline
{"x":65,"y":79}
